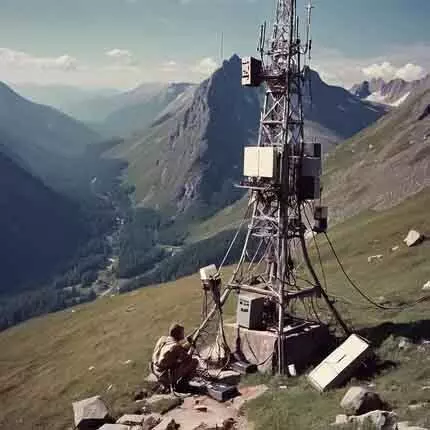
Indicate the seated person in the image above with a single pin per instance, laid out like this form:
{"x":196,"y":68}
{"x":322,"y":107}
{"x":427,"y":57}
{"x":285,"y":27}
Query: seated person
{"x":172,"y":360}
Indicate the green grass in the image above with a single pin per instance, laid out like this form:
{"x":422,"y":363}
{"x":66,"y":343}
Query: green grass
{"x":228,"y":218}
{"x":44,"y":363}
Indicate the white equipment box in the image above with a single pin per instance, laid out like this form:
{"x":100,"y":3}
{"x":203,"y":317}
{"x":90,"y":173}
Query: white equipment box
{"x":340,"y":364}
{"x":260,"y":162}
{"x":209,"y":272}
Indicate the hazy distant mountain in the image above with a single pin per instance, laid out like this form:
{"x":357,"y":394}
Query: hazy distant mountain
{"x":385,"y":163}
{"x":39,"y":228}
{"x":139,"y":110}
{"x":192,"y":154}
{"x":98,"y":108}
{"x":366,"y":88}
{"x":42,"y":126}
{"x":43,"y":140}
{"x":392,"y":93}
{"x":61,"y":97}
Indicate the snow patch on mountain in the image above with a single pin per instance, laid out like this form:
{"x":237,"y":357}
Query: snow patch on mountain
{"x":401,"y":99}
{"x":378,"y":97}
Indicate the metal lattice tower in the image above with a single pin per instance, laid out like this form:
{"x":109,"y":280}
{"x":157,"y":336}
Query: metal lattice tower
{"x":274,"y":250}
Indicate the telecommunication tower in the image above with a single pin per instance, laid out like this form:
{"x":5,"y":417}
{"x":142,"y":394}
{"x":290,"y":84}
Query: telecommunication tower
{"x":282,"y":173}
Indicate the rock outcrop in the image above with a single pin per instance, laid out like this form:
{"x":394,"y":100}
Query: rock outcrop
{"x":359,"y":400}
{"x":413,"y":238}
{"x":90,"y":413}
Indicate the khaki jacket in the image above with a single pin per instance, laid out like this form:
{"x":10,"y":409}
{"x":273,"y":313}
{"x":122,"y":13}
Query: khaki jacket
{"x":168,"y":353}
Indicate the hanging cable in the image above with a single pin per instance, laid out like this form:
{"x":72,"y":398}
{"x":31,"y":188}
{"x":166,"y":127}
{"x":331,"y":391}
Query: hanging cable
{"x":234,"y":239}
{"x":365,"y":296}
{"x":318,"y":252}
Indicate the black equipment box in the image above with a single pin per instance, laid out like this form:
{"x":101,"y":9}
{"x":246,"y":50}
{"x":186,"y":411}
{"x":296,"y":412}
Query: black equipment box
{"x":221,"y":392}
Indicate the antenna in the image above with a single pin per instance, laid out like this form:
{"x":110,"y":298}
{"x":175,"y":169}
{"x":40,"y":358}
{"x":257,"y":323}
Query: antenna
{"x":222,"y":48}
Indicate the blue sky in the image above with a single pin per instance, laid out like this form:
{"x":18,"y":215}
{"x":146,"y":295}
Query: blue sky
{"x":123,"y":42}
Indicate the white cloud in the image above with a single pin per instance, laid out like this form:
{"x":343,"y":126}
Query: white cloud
{"x":205,"y":66}
{"x":406,"y":62}
{"x":411,"y":72}
{"x":387,"y":71}
{"x":169,"y":66}
{"x":119,"y":53}
{"x":10,"y":58}
{"x":120,"y":69}
{"x":384,"y":70}
{"x":121,"y":57}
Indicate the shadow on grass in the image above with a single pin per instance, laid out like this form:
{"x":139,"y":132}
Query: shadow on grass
{"x":415,"y":331}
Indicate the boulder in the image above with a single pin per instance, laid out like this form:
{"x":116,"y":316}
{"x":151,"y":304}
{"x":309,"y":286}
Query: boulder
{"x":359,"y":400}
{"x":341,"y":420}
{"x":404,"y":425}
{"x":375,"y":258}
{"x":404,"y":343}
{"x":90,"y":413}
{"x":163,"y":403}
{"x":167,"y":424}
{"x":151,"y":422}
{"x":131,"y":419}
{"x":426,"y":286}
{"x":380,"y":420}
{"x":204,"y":426}
{"x":228,"y":424}
{"x":413,"y":238}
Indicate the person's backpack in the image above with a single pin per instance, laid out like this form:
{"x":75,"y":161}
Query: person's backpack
{"x":163,"y":347}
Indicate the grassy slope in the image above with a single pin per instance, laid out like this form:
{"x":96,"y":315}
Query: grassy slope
{"x":228,"y":218}
{"x":381,"y":165}
{"x":44,"y":363}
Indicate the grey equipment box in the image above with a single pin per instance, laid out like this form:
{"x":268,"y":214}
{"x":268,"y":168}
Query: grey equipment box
{"x":340,"y":364}
{"x":250,"y":308}
{"x":221,"y":392}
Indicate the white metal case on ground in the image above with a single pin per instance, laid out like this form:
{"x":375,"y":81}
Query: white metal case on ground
{"x":340,"y":364}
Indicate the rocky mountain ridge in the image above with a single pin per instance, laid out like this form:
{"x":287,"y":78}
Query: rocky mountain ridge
{"x":191,"y":155}
{"x":392,"y":93}
{"x":384,"y":164}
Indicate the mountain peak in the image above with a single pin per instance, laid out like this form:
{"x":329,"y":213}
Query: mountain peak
{"x":233,"y":63}
{"x":7,"y":91}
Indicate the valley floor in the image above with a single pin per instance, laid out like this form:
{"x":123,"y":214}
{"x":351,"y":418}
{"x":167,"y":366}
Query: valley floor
{"x":104,"y":347}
